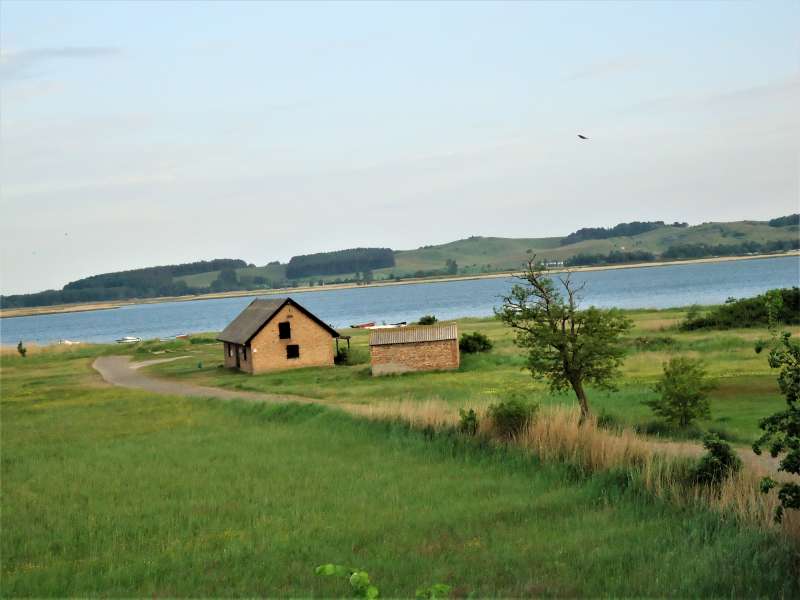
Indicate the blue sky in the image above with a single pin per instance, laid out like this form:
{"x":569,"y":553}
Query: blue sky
{"x":142,"y":133}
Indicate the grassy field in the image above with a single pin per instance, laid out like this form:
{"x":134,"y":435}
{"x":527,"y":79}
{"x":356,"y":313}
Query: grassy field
{"x":113,"y":492}
{"x":746,"y":390}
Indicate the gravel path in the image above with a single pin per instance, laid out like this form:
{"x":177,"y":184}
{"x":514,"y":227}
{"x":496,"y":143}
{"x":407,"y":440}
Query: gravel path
{"x":120,"y":371}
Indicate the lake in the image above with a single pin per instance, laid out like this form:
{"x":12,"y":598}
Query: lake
{"x":650,"y":287}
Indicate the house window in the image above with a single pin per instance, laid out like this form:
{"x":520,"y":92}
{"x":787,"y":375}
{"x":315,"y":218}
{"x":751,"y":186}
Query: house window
{"x":292,"y":351}
{"x":230,"y":350}
{"x":285,"y":330}
{"x":244,"y":352}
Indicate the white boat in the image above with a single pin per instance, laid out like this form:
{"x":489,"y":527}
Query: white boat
{"x":129,"y":339}
{"x":67,"y":342}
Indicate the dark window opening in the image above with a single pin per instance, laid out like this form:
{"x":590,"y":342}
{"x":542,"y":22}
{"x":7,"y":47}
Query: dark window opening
{"x":285,"y":330}
{"x":244,"y":352}
{"x":293,"y":351}
{"x":230,"y":350}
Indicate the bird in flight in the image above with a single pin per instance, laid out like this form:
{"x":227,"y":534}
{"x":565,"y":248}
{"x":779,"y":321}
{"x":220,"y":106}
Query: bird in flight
{"x":583,"y":137}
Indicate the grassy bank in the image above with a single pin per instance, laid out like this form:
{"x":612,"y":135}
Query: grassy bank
{"x":116,"y":492}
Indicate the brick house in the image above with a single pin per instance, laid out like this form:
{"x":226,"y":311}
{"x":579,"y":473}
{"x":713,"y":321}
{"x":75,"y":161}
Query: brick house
{"x":275,"y":334}
{"x":429,"y":348}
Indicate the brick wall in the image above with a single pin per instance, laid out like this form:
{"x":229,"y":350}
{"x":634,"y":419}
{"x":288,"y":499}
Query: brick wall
{"x":268,"y":352}
{"x":414,"y":356}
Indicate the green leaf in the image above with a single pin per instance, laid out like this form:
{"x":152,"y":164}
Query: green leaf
{"x":331,"y":569}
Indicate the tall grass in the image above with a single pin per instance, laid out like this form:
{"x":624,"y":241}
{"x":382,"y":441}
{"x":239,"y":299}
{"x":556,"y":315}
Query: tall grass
{"x":663,"y":468}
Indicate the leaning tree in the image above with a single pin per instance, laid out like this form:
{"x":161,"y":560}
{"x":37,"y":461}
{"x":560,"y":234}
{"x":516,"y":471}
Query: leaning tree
{"x":567,"y":346}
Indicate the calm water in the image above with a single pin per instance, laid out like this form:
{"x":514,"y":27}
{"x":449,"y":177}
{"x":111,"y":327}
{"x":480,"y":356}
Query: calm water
{"x":652,"y":287}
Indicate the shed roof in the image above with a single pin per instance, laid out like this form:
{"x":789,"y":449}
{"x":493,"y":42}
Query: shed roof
{"x":257,"y":314}
{"x":409,"y":335}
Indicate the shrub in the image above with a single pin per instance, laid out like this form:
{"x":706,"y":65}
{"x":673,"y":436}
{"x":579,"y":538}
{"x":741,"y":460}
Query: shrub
{"x":749,"y":312}
{"x":22,"y":349}
{"x":510,"y":417}
{"x":200,"y":339}
{"x":468,"y":421}
{"x":718,"y":464}
{"x":427,"y":320}
{"x":474,"y":342}
{"x":683,"y":390}
{"x":351,"y":356}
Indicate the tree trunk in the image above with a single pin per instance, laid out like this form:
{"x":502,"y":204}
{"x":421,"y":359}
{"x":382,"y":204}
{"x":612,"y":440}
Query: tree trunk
{"x":577,"y":385}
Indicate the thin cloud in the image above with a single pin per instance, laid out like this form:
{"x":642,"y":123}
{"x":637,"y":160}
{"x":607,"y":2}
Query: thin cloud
{"x":787,"y":87}
{"x":610,"y":67}
{"x":16,"y":65}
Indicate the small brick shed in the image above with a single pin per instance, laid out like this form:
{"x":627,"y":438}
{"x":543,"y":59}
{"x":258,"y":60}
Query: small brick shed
{"x":275,"y":334}
{"x":427,"y":348}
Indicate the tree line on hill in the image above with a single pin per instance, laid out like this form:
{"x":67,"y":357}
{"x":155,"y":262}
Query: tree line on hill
{"x":619,"y":230}
{"x":353,"y":260}
{"x":683,"y":251}
{"x":784,"y":221}
{"x":150,"y":282}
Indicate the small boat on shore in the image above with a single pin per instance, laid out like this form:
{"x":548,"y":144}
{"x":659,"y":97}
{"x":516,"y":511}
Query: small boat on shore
{"x":129,"y":339}
{"x":363,"y":325}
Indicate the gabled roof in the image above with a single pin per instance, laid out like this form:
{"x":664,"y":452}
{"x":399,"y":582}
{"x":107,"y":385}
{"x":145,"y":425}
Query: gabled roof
{"x":409,"y":335}
{"x":255,"y":317}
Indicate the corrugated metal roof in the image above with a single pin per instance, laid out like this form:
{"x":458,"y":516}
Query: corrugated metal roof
{"x":256,"y":315}
{"x":409,"y":335}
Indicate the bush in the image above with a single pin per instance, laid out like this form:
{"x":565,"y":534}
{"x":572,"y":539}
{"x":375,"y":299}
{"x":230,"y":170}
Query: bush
{"x":718,"y":464}
{"x":427,"y":320}
{"x":474,"y":342}
{"x":351,"y":357}
{"x":683,"y":390}
{"x":202,"y":340}
{"x":468,"y":422}
{"x":509,"y":418}
{"x":748,"y":312}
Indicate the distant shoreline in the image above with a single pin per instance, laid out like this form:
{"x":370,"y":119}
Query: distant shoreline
{"x":92,"y":306}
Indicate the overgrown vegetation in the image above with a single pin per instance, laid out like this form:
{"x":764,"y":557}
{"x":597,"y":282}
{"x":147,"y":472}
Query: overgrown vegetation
{"x":510,"y":418}
{"x":470,"y":343}
{"x":781,"y":431}
{"x":427,"y":320}
{"x":747,"y":312}
{"x":718,"y":464}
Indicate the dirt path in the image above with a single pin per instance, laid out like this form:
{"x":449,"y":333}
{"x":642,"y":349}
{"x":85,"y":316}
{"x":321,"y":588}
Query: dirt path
{"x":120,"y":371}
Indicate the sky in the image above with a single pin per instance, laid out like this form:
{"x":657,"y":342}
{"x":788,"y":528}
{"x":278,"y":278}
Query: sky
{"x":136,"y":134}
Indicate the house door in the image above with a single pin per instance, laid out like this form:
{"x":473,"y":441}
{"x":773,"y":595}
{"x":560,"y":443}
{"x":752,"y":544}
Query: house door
{"x":238,"y":365}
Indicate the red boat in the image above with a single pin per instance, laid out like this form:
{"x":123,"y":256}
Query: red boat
{"x":363,"y":325}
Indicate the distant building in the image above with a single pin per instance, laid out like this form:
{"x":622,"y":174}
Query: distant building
{"x":275,"y":334}
{"x":429,"y":348}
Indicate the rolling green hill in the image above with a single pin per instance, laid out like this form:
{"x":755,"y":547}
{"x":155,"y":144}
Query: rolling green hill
{"x":479,"y":254}
{"x":470,"y":256}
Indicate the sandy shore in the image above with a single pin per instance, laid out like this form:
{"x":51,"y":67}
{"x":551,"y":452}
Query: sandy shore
{"x":68,"y":308}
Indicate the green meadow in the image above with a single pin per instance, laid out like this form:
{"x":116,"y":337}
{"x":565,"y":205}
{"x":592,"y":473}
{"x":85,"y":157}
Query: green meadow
{"x":746,"y":389}
{"x":111,"y":492}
